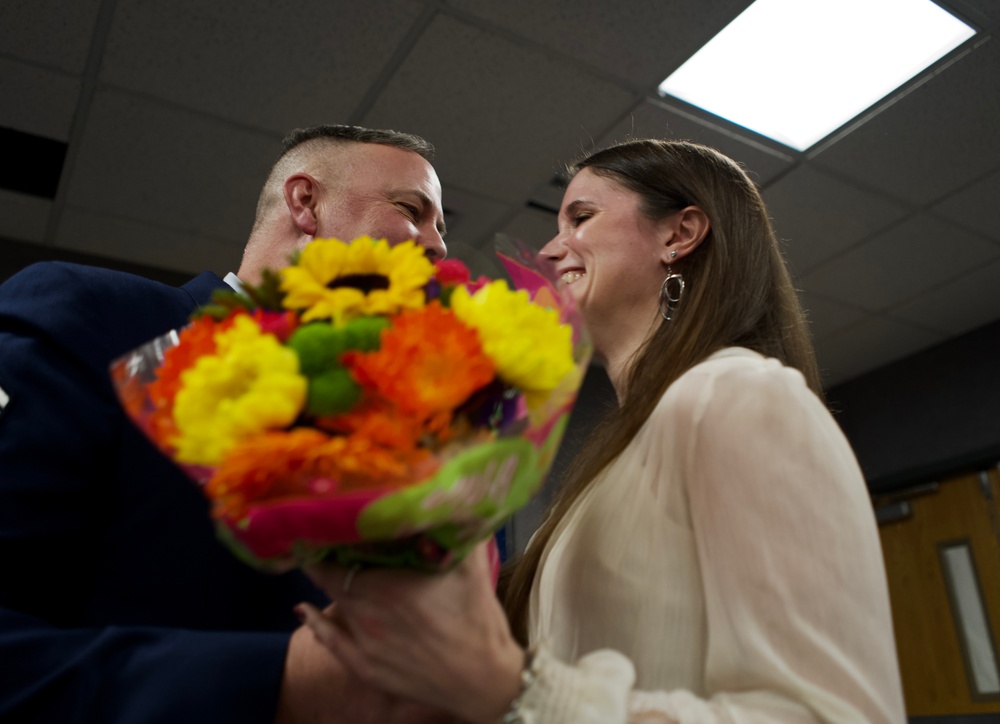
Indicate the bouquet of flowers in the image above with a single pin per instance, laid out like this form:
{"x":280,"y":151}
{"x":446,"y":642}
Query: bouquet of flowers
{"x":363,"y":403}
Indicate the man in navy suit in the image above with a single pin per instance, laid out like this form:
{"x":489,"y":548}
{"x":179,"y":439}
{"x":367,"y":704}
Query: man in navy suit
{"x":117,"y":603}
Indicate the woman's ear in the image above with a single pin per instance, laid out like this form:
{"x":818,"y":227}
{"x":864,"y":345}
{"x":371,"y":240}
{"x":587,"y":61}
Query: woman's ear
{"x":685,"y":230}
{"x":301,"y":197}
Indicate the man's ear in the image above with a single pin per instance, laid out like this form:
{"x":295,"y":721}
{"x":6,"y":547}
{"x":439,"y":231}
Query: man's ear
{"x":685,"y":230}
{"x":301,"y":197}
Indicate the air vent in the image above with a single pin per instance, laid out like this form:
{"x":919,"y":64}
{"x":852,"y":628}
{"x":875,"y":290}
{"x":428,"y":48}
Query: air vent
{"x":31,"y":164}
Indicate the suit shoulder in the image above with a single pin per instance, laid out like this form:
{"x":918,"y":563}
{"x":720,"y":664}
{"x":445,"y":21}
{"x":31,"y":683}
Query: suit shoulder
{"x":66,"y":280}
{"x":99,"y":312}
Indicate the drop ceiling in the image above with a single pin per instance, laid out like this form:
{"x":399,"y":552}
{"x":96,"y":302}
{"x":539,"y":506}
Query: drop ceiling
{"x":171,"y":111}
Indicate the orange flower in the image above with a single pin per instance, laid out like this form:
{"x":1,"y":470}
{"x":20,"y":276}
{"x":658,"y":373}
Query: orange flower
{"x":378,"y":421}
{"x":195,"y":341}
{"x":271,"y":465}
{"x":429,"y":363}
{"x":359,"y":463}
{"x":305,"y":462}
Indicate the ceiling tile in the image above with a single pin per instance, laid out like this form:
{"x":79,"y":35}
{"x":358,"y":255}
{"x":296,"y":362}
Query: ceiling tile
{"x":271,"y":65}
{"x":827,"y":318}
{"x":870,"y":344}
{"x":46,"y":100}
{"x":23,"y":217}
{"x":817,"y":216}
{"x":168,"y":167}
{"x":932,"y":141}
{"x":962,"y":305}
{"x":54,"y":33}
{"x":140,"y":243}
{"x":513,"y":114}
{"x":549,"y":194}
{"x":531,"y":227}
{"x":919,"y":254}
{"x":193,"y":98}
{"x":481,"y":261}
{"x":472,"y":219}
{"x":976,"y":207}
{"x":986,"y":12}
{"x":658,"y":119}
{"x":639,"y":42}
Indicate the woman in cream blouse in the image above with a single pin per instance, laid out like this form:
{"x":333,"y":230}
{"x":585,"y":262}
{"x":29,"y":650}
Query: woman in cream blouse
{"x":713,"y":555}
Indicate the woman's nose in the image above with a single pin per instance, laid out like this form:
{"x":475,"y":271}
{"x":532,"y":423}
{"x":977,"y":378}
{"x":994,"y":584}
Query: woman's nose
{"x":554,"y":249}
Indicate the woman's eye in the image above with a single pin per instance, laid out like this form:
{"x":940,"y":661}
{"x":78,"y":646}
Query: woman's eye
{"x":580,"y":218}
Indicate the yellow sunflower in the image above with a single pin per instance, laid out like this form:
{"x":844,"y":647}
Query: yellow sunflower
{"x":531,"y":349}
{"x":251,"y":384}
{"x":341,"y":281}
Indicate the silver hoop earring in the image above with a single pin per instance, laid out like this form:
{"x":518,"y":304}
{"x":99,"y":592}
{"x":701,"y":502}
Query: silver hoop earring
{"x":671,"y":293}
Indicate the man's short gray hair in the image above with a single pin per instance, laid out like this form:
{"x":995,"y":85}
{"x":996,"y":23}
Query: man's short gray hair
{"x":302,"y":142}
{"x":358,"y":134}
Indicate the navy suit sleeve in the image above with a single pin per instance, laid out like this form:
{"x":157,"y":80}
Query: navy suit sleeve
{"x":119,"y":674}
{"x":75,"y":645}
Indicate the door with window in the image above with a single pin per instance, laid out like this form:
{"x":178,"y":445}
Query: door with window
{"x":942,"y":552}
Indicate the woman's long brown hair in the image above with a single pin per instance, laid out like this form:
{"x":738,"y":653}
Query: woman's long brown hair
{"x":738,"y":293}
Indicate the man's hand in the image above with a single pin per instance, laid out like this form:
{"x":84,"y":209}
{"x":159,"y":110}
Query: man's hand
{"x":438,"y":638}
{"x":318,"y":689}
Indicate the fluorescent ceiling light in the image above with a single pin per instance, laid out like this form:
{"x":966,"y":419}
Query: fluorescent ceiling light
{"x":796,"y":70}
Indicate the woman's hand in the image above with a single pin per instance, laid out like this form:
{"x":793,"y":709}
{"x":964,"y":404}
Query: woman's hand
{"x":441,"y":639}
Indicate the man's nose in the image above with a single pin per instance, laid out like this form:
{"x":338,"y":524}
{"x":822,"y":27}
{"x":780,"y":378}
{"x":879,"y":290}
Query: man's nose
{"x":433,"y":244}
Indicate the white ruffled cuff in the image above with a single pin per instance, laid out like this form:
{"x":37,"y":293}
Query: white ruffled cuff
{"x":595,"y":689}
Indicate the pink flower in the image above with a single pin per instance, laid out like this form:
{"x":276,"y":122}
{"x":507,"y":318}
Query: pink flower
{"x":280,"y":324}
{"x":475,"y":286}
{"x":452,"y":271}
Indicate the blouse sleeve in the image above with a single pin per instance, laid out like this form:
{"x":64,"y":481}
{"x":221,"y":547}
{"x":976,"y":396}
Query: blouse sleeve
{"x":798,"y":619}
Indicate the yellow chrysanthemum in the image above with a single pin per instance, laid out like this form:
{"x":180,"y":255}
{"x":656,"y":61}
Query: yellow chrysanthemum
{"x":251,"y":384}
{"x":340,"y":281}
{"x":532,"y":350}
